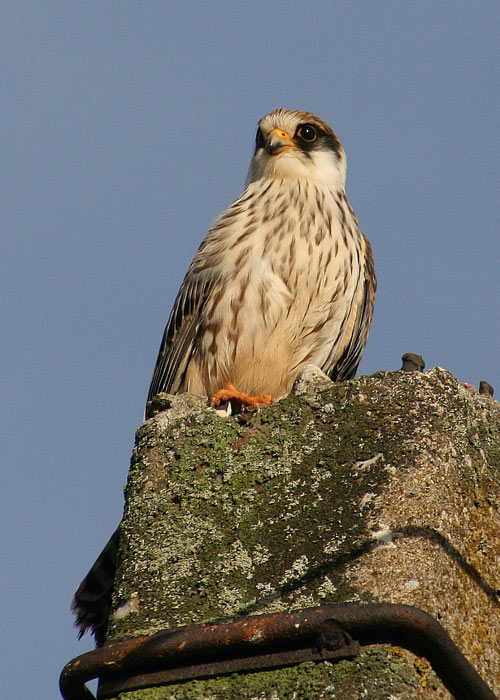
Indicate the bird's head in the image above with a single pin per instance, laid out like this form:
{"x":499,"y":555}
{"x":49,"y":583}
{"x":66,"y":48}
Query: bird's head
{"x":295,"y":144}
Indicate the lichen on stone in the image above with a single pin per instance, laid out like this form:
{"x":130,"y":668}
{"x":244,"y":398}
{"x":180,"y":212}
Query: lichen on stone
{"x":383,"y":488}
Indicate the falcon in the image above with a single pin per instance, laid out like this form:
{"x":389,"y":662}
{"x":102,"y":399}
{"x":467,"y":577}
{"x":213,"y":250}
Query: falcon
{"x":283,"y":278}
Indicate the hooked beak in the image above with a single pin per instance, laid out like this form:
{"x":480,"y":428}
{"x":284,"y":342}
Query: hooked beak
{"x":278,"y":141}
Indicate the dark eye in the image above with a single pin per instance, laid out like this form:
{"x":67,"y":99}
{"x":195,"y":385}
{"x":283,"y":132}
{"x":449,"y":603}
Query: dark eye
{"x":259,"y":139}
{"x":307,"y":133}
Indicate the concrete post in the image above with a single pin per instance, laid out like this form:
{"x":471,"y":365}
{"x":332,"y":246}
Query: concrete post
{"x":384,"y":488}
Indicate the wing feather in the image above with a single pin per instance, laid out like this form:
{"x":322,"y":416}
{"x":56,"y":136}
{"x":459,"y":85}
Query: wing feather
{"x":346,"y":365}
{"x":178,"y":342}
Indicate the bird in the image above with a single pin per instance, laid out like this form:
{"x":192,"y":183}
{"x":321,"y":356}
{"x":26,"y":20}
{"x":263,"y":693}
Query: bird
{"x":283,"y":278}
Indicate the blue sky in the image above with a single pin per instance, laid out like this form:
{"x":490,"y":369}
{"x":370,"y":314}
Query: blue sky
{"x":127,"y":127}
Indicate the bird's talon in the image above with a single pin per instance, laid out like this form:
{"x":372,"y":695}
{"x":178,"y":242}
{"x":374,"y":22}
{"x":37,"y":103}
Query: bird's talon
{"x":230,"y":393}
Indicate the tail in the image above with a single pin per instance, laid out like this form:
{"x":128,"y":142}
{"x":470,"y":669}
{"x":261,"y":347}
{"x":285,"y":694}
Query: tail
{"x":92,"y":601}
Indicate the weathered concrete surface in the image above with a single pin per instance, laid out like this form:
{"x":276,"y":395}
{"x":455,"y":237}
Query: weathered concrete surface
{"x":226,"y":519}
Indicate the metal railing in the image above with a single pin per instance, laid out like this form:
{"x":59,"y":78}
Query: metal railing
{"x":259,"y":642}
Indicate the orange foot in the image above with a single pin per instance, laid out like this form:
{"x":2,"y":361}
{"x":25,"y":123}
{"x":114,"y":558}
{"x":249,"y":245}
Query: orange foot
{"x":230,"y":393}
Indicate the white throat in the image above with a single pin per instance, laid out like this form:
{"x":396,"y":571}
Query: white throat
{"x":321,"y":166}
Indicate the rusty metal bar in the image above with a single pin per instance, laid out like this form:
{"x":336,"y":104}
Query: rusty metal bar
{"x":267,"y":641}
{"x":263,"y":661}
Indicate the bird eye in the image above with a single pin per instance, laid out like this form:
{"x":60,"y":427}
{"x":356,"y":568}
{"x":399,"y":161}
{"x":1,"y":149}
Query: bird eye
{"x":259,"y":139}
{"x":307,"y":133}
